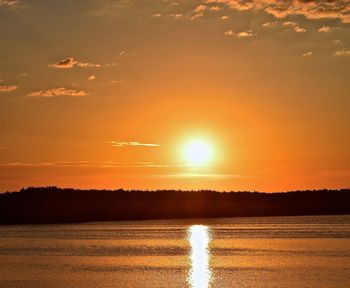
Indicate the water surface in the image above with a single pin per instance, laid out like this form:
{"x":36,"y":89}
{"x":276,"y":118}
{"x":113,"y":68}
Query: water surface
{"x":308,"y":251}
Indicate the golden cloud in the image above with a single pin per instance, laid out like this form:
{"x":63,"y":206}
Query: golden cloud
{"x":8,"y":88}
{"x":71,"y":62}
{"x":56,"y":92}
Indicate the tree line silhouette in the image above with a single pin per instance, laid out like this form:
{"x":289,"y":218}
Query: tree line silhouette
{"x":56,"y":205}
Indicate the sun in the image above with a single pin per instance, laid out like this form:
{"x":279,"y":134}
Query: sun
{"x":198,"y":152}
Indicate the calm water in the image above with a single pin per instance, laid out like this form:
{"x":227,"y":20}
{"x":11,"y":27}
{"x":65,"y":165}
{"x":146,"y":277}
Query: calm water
{"x":233,"y":252}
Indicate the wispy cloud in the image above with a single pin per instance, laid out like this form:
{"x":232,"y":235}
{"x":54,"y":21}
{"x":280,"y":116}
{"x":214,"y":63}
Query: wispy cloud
{"x":8,"y":88}
{"x":21,"y":164}
{"x":8,"y":2}
{"x":269,"y":24}
{"x":65,"y":64}
{"x":299,"y":29}
{"x":311,"y":9}
{"x":198,"y":11}
{"x":176,"y":15}
{"x":70,"y":62}
{"x":88,"y":65}
{"x":117,"y":82}
{"x":344,"y":52}
{"x":215,"y":8}
{"x":234,"y":4}
{"x":243,"y":34}
{"x":103,"y":164}
{"x":229,"y":33}
{"x":324,"y":29}
{"x":307,"y":54}
{"x":289,"y":24}
{"x":56,"y":92}
{"x":133,"y":143}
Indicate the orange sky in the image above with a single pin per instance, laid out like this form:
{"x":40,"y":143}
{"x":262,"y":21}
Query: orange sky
{"x":265,"y":83}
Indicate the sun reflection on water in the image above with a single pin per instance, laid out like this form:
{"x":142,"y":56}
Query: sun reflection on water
{"x":200,"y":275}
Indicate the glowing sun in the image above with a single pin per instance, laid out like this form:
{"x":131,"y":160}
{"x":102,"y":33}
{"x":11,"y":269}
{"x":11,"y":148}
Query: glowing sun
{"x":198,"y":153}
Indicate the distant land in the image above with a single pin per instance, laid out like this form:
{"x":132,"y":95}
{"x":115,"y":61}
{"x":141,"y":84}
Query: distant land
{"x":56,"y":205}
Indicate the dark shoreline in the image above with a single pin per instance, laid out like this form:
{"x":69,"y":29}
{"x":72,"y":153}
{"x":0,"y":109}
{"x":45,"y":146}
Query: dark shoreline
{"x":50,"y":205}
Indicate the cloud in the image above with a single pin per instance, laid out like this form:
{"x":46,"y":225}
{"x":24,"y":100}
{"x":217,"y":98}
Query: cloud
{"x":70,"y":62}
{"x":310,"y":9}
{"x":157,"y":15}
{"x":290,"y":24}
{"x":176,"y":15}
{"x":65,"y":64}
{"x":133,"y":143}
{"x":8,"y":2}
{"x":299,"y":29}
{"x":307,"y":54}
{"x":243,"y":34}
{"x":200,"y":8}
{"x":208,"y":176}
{"x":215,"y":8}
{"x":57,"y":92}
{"x":229,"y":33}
{"x":269,"y":24}
{"x":88,"y":65}
{"x":118,"y":82}
{"x":77,"y":164}
{"x":111,"y":64}
{"x":84,"y":164}
{"x":287,"y":24}
{"x":225,"y":17}
{"x":342,"y":53}
{"x":234,"y":4}
{"x":324,"y":29}
{"x":92,"y":77}
{"x":8,"y":88}
{"x":199,"y":11}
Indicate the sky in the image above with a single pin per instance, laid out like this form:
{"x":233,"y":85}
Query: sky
{"x":108,"y":94}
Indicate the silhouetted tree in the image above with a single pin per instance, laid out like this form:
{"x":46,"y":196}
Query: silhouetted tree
{"x":55,"y":205}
